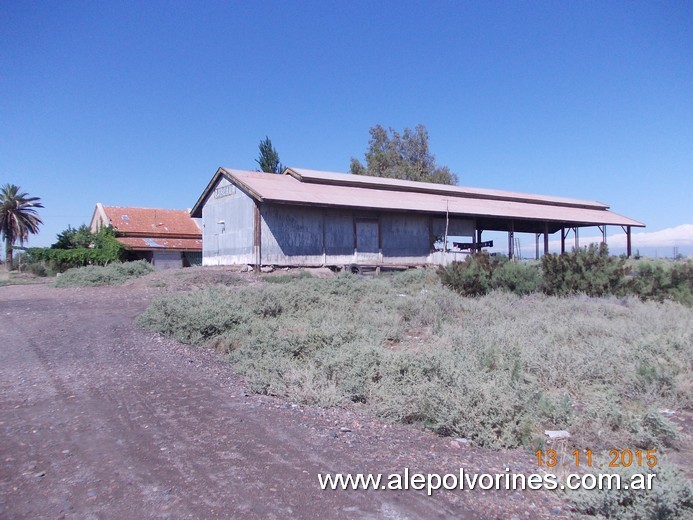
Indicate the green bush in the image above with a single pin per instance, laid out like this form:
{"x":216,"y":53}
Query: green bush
{"x":517,"y":278}
{"x":589,"y":270}
{"x":471,"y":277}
{"x":105,"y":250}
{"x":112,"y":274}
{"x":661,"y":280}
{"x":480,"y":273}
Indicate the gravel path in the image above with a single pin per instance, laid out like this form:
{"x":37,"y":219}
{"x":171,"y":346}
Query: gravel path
{"x":99,"y":419}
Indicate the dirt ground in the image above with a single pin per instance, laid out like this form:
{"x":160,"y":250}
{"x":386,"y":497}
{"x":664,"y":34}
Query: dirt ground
{"x":100,"y":419}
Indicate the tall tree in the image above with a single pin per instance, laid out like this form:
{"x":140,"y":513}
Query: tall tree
{"x":18,"y":218}
{"x":72,"y":238}
{"x":402,"y":156}
{"x":269,"y":158}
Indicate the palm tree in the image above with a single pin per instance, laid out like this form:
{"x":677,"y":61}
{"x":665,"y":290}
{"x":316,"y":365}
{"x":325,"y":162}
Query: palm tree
{"x":18,"y":218}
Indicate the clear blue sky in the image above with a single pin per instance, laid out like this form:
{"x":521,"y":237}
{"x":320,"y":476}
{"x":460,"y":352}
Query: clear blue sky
{"x":138,"y":103}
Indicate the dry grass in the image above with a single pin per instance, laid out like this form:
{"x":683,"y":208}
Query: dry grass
{"x":497,"y":369}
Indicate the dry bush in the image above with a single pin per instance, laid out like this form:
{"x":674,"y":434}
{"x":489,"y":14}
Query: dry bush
{"x":111,"y":274}
{"x":497,"y":369}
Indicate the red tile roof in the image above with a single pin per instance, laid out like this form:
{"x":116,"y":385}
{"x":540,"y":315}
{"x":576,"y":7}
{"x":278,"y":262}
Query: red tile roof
{"x":152,"y":222}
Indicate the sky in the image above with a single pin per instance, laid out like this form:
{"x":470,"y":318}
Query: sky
{"x":138,"y":103}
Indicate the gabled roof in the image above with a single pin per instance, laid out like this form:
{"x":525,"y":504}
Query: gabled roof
{"x":494,"y":207}
{"x":148,"y":222}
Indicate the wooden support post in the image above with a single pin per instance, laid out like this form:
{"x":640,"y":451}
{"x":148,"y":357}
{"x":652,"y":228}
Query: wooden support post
{"x":380,"y":244}
{"x":628,"y":244}
{"x":546,"y":238}
{"x":577,"y":239}
{"x":324,"y":245}
{"x":353,"y":217}
{"x":536,"y":244}
{"x":603,"y":230}
{"x":562,"y":241}
{"x":511,"y":240}
{"x":257,"y":237}
{"x":478,"y":240}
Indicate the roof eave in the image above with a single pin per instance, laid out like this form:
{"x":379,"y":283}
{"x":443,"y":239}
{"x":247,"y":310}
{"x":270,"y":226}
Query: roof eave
{"x":196,"y":211}
{"x":577,"y":223}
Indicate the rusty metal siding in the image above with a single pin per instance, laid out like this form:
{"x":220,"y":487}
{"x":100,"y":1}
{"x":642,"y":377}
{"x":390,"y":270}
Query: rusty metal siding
{"x":230,"y":242}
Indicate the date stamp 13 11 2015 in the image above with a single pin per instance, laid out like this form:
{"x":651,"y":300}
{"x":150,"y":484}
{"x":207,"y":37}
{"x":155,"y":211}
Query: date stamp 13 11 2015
{"x":617,"y":458}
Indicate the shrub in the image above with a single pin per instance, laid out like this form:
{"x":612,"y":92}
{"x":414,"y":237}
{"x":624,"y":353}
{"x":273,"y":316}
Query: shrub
{"x":105,"y":250}
{"x":660,"y":280}
{"x":481,"y":273}
{"x":471,"y":277}
{"x":497,"y":369}
{"x":589,"y":270}
{"x":112,"y":274}
{"x":671,"y":496}
{"x":39,"y":268}
{"x":516,"y":277}
{"x":287,"y":278}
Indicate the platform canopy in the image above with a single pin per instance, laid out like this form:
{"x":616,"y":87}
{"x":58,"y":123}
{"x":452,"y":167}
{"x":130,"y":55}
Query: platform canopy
{"x":493,"y":210}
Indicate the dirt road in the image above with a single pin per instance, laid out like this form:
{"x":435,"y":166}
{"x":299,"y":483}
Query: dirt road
{"x":99,"y":419}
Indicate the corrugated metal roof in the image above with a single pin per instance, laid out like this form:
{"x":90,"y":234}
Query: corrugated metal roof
{"x":170,"y":244}
{"x":336,"y":192}
{"x":305,"y":175}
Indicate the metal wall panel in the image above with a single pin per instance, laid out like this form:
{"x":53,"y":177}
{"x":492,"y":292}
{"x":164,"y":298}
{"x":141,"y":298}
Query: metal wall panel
{"x":291,"y":235}
{"x":406,"y":238}
{"x":227,"y":226}
{"x":457,"y":227}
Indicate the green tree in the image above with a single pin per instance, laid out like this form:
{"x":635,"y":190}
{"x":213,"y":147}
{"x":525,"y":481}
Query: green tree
{"x":73,"y":238}
{"x":402,"y":156}
{"x":268,"y":159}
{"x":18,"y":217}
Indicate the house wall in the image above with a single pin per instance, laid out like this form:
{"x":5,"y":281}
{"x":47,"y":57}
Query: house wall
{"x":167,"y":259}
{"x":232,"y":241}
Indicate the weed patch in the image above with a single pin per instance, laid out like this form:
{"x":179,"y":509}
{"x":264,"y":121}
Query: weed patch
{"x":112,"y":274}
{"x":497,"y":369}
